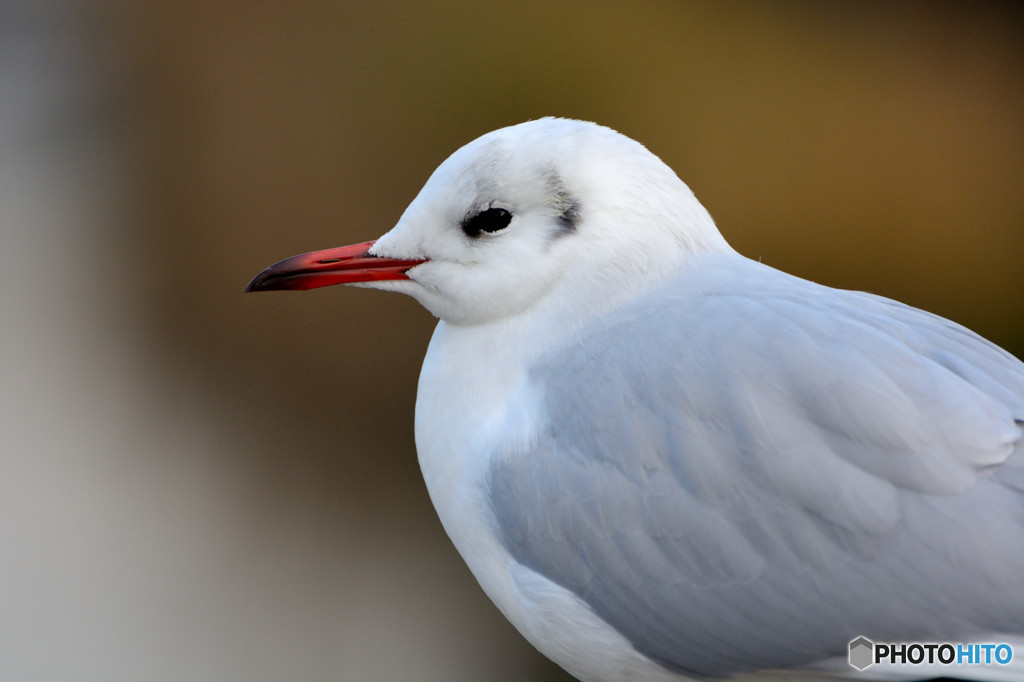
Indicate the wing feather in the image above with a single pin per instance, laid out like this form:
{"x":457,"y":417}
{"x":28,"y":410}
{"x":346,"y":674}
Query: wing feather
{"x":764,"y":477}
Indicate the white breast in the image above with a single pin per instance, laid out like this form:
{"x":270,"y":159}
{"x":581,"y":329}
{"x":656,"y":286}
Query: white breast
{"x":470,"y":408}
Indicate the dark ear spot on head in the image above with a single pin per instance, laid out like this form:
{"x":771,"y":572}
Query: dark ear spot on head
{"x":569,"y":217}
{"x":568,"y":207}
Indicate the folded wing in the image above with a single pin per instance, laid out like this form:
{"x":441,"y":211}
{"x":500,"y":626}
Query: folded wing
{"x":744,"y":481}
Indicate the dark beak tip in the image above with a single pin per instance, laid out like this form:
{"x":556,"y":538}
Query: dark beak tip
{"x":254,"y":284}
{"x":270,"y":280}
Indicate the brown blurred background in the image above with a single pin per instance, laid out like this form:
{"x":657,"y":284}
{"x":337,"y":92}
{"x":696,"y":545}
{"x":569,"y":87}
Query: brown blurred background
{"x":201,"y":485}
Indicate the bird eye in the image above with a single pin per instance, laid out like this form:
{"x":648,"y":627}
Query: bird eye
{"x":488,"y":220}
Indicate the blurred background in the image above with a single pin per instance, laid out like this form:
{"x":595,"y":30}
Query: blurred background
{"x":201,"y":485}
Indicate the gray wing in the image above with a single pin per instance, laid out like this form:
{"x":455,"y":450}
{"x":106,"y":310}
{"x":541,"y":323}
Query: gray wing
{"x":737,"y":482}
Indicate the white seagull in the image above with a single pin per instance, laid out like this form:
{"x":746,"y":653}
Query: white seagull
{"x":663,"y":460}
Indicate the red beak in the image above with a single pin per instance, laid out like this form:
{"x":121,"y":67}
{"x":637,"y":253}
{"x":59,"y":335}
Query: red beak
{"x":343,"y":265}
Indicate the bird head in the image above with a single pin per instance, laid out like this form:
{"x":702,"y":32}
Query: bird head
{"x":551,"y":204}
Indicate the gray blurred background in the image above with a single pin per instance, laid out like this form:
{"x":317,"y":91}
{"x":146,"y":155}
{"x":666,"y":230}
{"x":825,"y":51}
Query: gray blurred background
{"x":201,"y":485}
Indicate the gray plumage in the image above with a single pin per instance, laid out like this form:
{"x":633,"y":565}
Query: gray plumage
{"x":742,"y":479}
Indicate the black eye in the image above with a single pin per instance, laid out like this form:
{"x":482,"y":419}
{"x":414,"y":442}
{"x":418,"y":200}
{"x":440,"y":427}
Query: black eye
{"x":488,"y":220}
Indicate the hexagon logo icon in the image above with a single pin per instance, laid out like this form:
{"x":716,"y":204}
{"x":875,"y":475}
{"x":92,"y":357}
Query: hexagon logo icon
{"x":862,"y":652}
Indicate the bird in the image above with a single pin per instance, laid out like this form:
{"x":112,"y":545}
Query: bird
{"x":663,"y":460}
